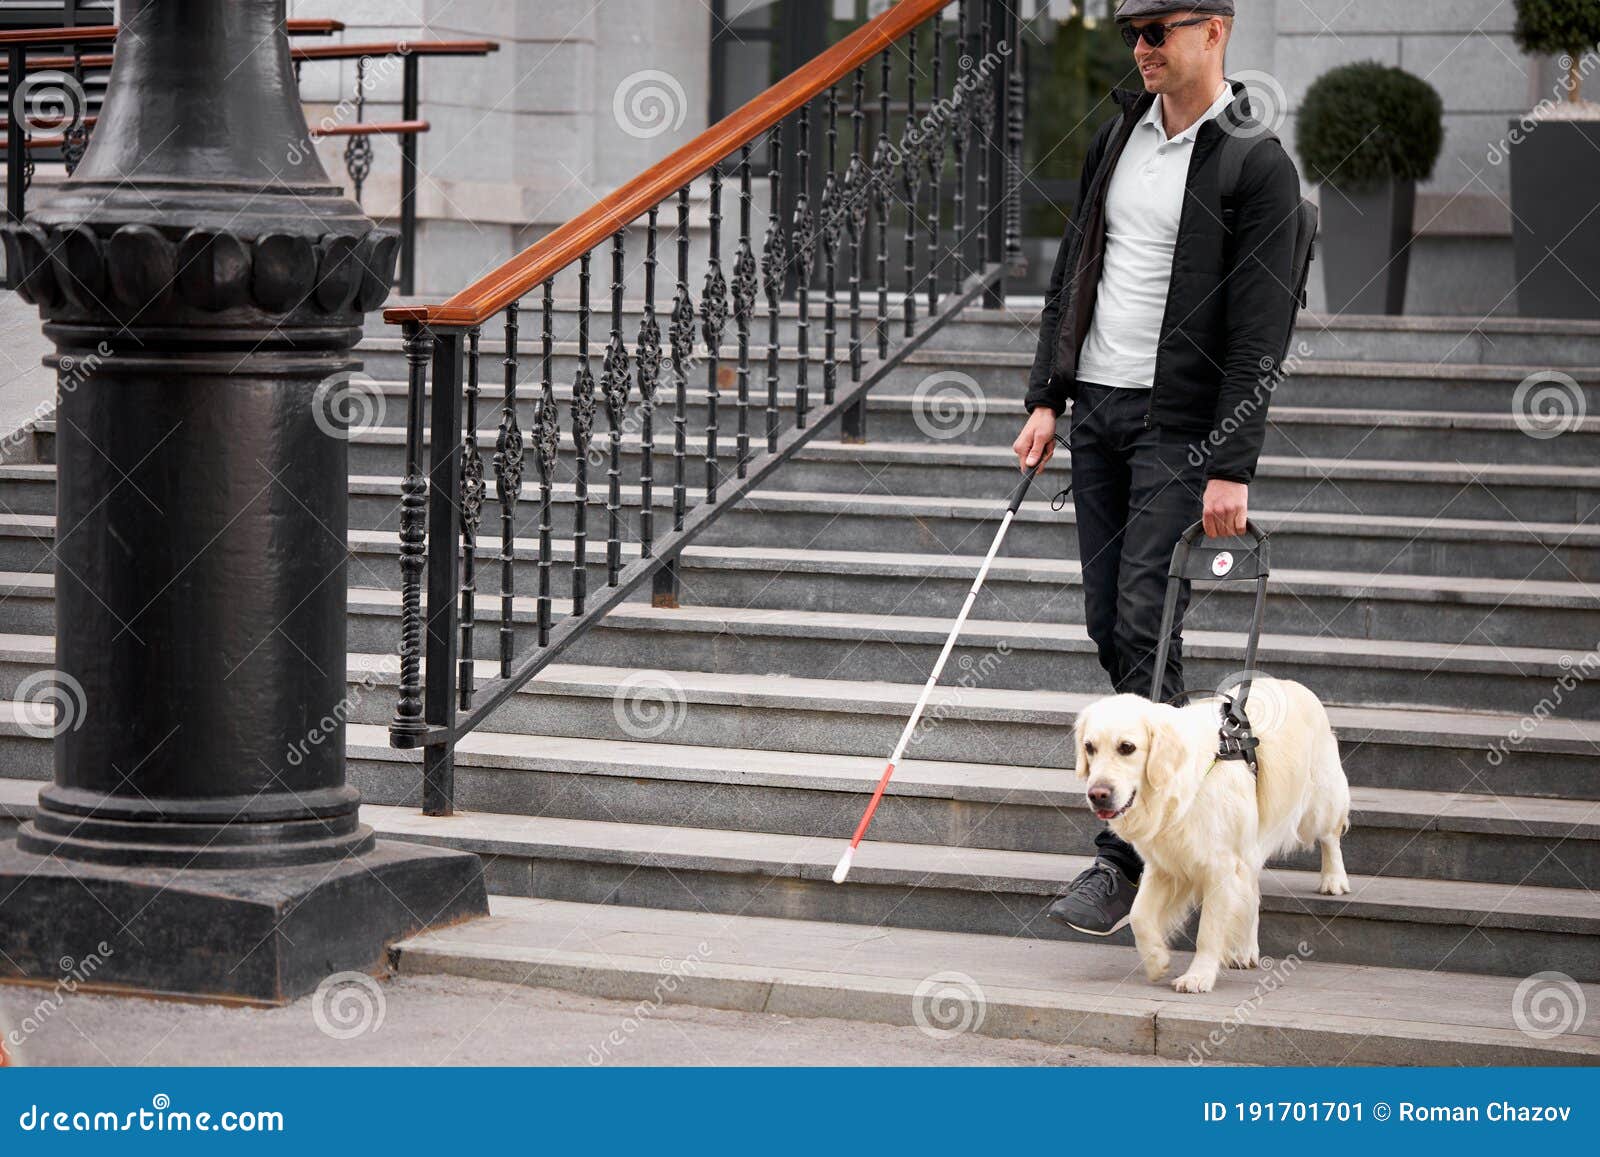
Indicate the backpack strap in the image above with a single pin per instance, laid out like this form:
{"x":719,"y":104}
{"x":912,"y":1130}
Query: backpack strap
{"x":1233,"y":152}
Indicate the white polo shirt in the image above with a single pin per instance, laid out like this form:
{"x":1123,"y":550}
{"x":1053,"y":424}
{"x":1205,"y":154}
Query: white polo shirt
{"x":1143,"y":206}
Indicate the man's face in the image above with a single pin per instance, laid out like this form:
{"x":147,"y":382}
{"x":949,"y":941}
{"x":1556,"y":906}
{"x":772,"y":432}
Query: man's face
{"x":1181,"y":58}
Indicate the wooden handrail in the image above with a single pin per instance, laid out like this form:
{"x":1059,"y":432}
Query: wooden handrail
{"x":35,"y":63}
{"x":372,"y":128}
{"x":397,"y":48}
{"x":563,"y":245}
{"x":315,"y":52}
{"x":104,"y":32}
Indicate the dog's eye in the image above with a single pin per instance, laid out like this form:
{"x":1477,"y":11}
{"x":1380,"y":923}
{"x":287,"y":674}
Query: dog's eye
{"x":1126,"y":748}
{"x":1088,"y":749}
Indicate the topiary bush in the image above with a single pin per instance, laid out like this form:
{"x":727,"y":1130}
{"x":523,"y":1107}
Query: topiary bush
{"x":1567,"y":28}
{"x":1362,"y":125}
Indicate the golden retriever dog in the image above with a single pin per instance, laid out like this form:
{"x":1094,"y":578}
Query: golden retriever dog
{"x":1206,"y":827}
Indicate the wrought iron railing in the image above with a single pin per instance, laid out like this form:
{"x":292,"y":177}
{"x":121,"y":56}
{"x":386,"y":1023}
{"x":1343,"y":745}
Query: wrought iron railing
{"x":960,"y":126}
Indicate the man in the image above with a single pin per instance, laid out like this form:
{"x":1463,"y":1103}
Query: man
{"x":1160,"y":326}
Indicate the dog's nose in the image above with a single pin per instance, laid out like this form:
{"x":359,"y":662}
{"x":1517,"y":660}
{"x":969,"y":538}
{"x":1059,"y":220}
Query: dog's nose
{"x":1100,"y":796}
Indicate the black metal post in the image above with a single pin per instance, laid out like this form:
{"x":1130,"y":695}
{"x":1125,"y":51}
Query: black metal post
{"x":199,"y":822}
{"x":16,"y":147}
{"x":444,"y":568}
{"x":408,"y":179}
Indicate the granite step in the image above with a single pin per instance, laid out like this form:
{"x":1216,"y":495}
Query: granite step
{"x":1001,"y":375}
{"x":1389,"y":544}
{"x":949,"y":410}
{"x":1509,"y":754}
{"x":1394,"y":832}
{"x":1301,"y":1010}
{"x":1452,"y":926}
{"x":1443,"y":339}
{"x":1490,"y":612}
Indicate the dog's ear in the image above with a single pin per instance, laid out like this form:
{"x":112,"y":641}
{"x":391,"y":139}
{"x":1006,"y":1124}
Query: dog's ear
{"x":1080,"y":762}
{"x":1167,"y":751}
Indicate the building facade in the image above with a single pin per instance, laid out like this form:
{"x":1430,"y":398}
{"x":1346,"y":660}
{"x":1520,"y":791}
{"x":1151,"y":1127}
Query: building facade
{"x":583,"y":95}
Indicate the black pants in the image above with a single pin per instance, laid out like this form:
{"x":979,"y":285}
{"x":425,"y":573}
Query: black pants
{"x":1135,"y":490}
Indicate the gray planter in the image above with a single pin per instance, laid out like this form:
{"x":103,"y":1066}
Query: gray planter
{"x":1365,"y":249}
{"x":1555,"y":169}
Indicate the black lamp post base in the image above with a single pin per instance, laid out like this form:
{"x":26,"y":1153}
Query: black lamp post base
{"x":262,"y":935}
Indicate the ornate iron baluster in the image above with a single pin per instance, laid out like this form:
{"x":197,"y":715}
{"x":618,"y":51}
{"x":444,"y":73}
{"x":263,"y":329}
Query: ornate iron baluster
{"x":546,"y":445}
{"x":744,"y":306}
{"x":664,"y":591}
{"x":472,"y":491}
{"x":933,"y":145}
{"x":682,"y":337}
{"x":582,"y":428}
{"x":983,"y":121}
{"x":911,"y":181}
{"x":358,"y":149}
{"x":713,"y":321}
{"x":882,"y":175}
{"x":649,"y":380}
{"x":614,"y":388}
{"x":408,"y":723}
{"x":508,"y":486}
{"x":1013,"y":237}
{"x":75,"y":137}
{"x":805,"y":251}
{"x":857,"y":189}
{"x":774,"y":264}
{"x":832,"y":229}
{"x":963,"y":132}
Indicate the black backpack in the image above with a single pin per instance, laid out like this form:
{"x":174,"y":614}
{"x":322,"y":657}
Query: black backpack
{"x":1235,"y":148}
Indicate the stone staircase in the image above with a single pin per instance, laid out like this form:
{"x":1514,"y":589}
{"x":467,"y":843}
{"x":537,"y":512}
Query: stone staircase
{"x":685,"y":777}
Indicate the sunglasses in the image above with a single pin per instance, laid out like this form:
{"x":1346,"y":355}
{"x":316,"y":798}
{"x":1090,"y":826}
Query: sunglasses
{"x":1155,"y":35}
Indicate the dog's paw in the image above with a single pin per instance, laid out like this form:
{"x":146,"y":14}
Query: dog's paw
{"x":1195,"y":982}
{"x":1156,"y":964}
{"x":1248,"y":959}
{"x":1337,"y":885}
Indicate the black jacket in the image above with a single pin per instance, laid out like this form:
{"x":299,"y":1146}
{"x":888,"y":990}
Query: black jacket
{"x":1229,"y":303}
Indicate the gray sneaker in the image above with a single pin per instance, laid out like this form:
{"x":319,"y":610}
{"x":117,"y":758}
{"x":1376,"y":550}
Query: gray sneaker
{"x":1097,"y":902}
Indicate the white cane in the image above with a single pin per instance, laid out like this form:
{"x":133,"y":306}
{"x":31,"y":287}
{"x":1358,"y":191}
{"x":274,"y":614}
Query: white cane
{"x":849,"y":856}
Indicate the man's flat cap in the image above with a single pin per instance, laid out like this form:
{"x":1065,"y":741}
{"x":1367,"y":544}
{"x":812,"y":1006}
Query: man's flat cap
{"x":1139,"y":9}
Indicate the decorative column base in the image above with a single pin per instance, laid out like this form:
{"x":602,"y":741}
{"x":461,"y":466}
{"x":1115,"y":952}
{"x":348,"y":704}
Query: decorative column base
{"x":263,"y":936}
